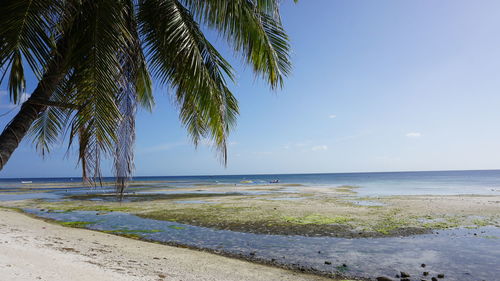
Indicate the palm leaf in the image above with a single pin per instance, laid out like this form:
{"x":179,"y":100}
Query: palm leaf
{"x":181,"y":56}
{"x":103,"y":36}
{"x":25,"y":35}
{"x":253,"y":29}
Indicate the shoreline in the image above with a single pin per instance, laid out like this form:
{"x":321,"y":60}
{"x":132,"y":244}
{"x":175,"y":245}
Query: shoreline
{"x":314,"y":217}
{"x":329,"y":212}
{"x":33,"y":249}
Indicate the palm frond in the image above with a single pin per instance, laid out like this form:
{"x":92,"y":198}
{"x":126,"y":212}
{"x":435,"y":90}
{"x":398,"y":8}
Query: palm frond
{"x":97,"y":71}
{"x":124,"y":145}
{"x":182,"y":57}
{"x":25,"y":35}
{"x":135,"y":64}
{"x":254,"y":29}
{"x":49,"y":128}
{"x":46,"y":131}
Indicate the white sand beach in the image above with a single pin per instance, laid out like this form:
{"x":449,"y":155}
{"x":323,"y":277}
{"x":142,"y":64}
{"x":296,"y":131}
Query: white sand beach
{"x":32,"y":249}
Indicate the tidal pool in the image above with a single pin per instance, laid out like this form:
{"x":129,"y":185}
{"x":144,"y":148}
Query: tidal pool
{"x":460,"y":254}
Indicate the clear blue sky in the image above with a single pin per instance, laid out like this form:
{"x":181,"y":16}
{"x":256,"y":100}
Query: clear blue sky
{"x":377,"y":86}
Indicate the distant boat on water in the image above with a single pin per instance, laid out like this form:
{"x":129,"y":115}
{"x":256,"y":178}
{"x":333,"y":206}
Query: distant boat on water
{"x":26,"y":181}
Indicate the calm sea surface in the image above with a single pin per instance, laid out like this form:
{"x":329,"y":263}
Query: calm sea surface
{"x":486,"y":182}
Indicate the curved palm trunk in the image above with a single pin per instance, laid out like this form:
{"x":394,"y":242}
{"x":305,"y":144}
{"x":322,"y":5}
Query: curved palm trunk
{"x":15,"y":131}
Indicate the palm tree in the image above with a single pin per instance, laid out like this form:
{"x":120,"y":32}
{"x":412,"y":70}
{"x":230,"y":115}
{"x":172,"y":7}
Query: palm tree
{"x":95,"y":58}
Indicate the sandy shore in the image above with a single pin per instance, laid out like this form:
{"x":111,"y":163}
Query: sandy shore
{"x":32,"y":249}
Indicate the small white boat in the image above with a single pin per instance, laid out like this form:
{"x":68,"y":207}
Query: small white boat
{"x":26,"y":181}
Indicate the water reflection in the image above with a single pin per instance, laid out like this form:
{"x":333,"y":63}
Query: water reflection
{"x":461,"y":254}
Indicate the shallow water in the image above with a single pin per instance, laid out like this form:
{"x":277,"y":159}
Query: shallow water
{"x":51,"y":194}
{"x":486,"y":182}
{"x":461,"y":254}
{"x":458,"y":253}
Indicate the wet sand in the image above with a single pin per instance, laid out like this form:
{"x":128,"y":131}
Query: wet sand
{"x":32,"y":249}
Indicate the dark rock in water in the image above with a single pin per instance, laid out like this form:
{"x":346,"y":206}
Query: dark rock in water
{"x":440,"y":275}
{"x":422,"y":265}
{"x":397,"y":275}
{"x":344,"y":265}
{"x":425,"y":273}
{"x":434,"y":279}
{"x":273,"y":260}
{"x":382,"y":278}
{"x":252,"y":254}
{"x":405,"y":279}
{"x":328,"y":262}
{"x":319,"y":252}
{"x":404,"y":274}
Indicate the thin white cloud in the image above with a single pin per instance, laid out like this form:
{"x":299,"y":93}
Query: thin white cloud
{"x":296,"y":145}
{"x":413,"y":135}
{"x":319,"y":148}
{"x":332,"y":116}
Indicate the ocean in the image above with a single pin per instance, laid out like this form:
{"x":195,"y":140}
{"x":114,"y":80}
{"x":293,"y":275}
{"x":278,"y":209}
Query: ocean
{"x":481,"y":182}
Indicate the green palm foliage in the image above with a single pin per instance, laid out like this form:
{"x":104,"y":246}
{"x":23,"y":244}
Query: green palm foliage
{"x":95,"y":60}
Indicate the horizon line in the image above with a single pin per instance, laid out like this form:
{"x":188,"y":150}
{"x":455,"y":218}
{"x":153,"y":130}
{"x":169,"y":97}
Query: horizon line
{"x":270,"y":174}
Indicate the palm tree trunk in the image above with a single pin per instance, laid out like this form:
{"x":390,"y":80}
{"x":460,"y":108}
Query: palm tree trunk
{"x":15,"y":131}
